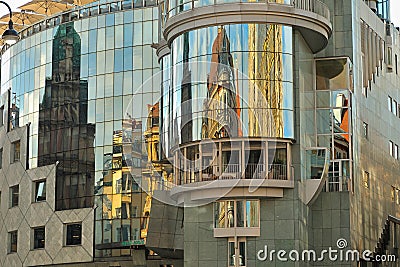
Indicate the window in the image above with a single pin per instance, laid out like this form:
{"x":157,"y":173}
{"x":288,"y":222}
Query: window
{"x":14,"y":196}
{"x":366,"y":179}
{"x":38,"y":238}
{"x":239,"y":213}
{"x":390,"y":103}
{"x":396,"y":151}
{"x":1,"y":158}
{"x":394,"y":107}
{"x":40,"y":191}
{"x":392,"y":194}
{"x":12,"y":241}
{"x":237,"y":252}
{"x":398,"y":110}
{"x":1,"y":115}
{"x":15,"y":151}
{"x":391,"y":148}
{"x":365,"y":129}
{"x":74,"y":234}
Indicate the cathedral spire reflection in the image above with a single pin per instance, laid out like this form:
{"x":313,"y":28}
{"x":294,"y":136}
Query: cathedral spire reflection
{"x":64,"y":134}
{"x":222,"y":107}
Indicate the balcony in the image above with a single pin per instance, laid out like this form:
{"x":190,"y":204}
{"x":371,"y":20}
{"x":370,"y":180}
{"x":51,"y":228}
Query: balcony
{"x":310,"y":17}
{"x":226,"y":167}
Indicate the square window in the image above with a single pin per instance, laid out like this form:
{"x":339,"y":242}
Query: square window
{"x":74,"y":234}
{"x":12,"y":241}
{"x":40,"y":191}
{"x":14,"y":196}
{"x":38,"y":237}
{"x":15,"y":151}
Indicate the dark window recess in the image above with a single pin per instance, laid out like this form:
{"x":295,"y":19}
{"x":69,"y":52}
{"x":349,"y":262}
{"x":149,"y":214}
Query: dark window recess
{"x":1,"y":115}
{"x":1,"y":158}
{"x":14,"y":196}
{"x":39,"y":238}
{"x":13,"y":236}
{"x":74,"y":234}
{"x":15,"y":151}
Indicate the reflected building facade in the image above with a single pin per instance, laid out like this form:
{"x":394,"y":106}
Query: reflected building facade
{"x":196,"y":133}
{"x":64,"y":133}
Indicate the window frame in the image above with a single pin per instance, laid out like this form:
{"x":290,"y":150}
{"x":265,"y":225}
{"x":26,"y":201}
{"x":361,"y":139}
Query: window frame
{"x":236,"y":246}
{"x":15,"y":157}
{"x":34,"y":247}
{"x":391,"y":148}
{"x":66,"y":234}
{"x":35,"y":197}
{"x":10,"y":242}
{"x":227,"y":225}
{"x":12,"y":204}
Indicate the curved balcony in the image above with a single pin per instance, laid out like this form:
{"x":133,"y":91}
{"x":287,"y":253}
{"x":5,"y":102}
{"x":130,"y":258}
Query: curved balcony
{"x":232,"y":167}
{"x":310,"y":17}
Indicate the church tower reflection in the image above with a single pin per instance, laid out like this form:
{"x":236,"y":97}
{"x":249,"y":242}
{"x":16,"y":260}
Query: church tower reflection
{"x":64,"y":133}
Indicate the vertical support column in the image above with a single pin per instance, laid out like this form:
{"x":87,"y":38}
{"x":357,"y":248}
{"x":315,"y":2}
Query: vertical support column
{"x":289,"y":162}
{"x":185,"y":166}
{"x":266,"y":167}
{"x":200,"y":164}
{"x":242,"y":161}
{"x":220,"y":167}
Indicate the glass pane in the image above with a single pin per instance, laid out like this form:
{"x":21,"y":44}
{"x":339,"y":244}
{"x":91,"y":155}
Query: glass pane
{"x":231,"y":253}
{"x":239,"y":214}
{"x":252,"y":213}
{"x":74,"y":234}
{"x":39,"y":238}
{"x":219,"y":219}
{"x":40,"y":191}
{"x":231,"y":213}
{"x":242,"y":253}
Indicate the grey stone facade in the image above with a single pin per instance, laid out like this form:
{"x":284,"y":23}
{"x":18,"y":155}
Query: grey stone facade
{"x":29,"y":214}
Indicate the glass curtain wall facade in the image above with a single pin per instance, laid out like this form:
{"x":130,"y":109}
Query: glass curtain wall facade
{"x":73,"y":83}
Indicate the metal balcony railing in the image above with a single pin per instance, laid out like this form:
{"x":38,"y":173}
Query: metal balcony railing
{"x":233,"y":171}
{"x":316,"y":6}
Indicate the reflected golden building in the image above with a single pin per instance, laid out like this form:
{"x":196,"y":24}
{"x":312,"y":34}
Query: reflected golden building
{"x":265,"y":80}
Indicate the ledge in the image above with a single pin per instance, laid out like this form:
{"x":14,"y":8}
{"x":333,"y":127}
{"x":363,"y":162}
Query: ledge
{"x":203,"y":191}
{"x":315,"y":28}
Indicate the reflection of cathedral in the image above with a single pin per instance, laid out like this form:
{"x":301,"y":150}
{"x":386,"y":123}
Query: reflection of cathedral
{"x":64,"y":134}
{"x":266,"y":76}
{"x":222,"y":113}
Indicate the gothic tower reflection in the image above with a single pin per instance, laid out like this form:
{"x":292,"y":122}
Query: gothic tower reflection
{"x":64,"y":134}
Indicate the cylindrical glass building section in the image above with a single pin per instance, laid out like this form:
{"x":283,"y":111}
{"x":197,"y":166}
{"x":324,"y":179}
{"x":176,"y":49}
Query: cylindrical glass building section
{"x":231,"y":80}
